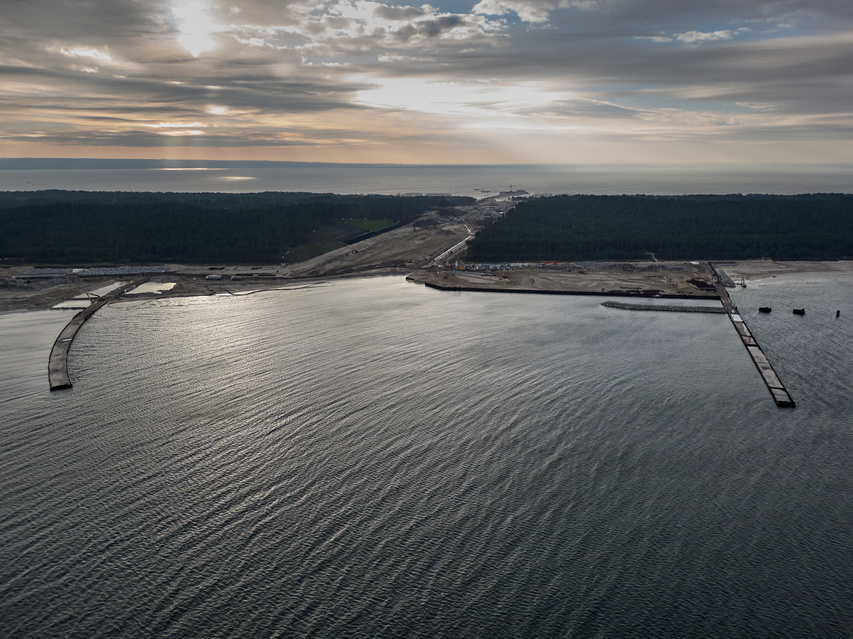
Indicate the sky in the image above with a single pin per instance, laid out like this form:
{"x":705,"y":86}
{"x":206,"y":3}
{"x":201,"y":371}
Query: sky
{"x":451,"y":82}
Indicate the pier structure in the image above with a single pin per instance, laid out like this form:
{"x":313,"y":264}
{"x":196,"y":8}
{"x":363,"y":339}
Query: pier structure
{"x":771,"y":379}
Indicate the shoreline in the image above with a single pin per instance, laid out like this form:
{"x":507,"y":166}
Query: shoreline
{"x":190,"y":281}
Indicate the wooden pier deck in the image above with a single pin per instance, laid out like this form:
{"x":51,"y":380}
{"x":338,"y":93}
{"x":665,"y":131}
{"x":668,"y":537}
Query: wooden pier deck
{"x":771,"y":379}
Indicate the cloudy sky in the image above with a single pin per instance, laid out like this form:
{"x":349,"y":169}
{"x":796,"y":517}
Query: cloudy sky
{"x":454,"y":81}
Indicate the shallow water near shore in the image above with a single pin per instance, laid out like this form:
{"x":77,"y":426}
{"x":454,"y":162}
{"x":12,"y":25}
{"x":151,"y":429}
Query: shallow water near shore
{"x":373,"y":458}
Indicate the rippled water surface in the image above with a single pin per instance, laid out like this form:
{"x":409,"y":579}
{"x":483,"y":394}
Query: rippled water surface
{"x":371,"y":458}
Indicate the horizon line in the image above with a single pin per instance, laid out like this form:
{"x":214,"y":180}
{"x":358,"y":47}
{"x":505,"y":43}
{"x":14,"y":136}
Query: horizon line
{"x":48,"y":163}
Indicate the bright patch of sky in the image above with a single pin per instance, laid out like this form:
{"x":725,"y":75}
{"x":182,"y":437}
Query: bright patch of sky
{"x":699,"y":37}
{"x":478,"y":99}
{"x":97,"y":55}
{"x":196,"y":25}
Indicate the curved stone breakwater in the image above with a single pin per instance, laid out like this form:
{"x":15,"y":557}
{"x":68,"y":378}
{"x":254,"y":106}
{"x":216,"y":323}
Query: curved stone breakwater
{"x":665,"y":307}
{"x":57,"y":365}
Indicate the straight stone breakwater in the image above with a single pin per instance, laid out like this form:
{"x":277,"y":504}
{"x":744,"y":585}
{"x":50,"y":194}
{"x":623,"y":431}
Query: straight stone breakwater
{"x":665,"y":307}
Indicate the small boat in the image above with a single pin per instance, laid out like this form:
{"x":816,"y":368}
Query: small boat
{"x":799,"y":311}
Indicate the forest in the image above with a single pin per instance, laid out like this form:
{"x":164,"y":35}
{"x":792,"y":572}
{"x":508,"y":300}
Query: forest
{"x":693,"y":227}
{"x":75,"y":227}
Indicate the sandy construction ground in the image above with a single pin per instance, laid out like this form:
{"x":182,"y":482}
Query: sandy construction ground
{"x":670,"y":278}
{"x":762,"y":269}
{"x":405,"y":248}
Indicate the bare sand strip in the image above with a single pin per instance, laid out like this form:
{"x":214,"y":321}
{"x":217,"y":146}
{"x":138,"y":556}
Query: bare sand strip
{"x":764,"y":269}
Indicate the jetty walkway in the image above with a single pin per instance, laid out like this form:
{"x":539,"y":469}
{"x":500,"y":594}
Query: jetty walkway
{"x":771,"y":379}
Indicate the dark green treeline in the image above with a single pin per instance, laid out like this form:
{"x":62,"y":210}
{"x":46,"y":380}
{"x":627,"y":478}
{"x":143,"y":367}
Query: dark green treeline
{"x":700,"y":227}
{"x":68,"y":227}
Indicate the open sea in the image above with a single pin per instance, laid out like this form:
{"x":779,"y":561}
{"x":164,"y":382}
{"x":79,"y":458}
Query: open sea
{"x":474,"y":181}
{"x":372,"y":458}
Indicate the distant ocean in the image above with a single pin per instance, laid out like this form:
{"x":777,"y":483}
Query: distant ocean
{"x":476,"y":181}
